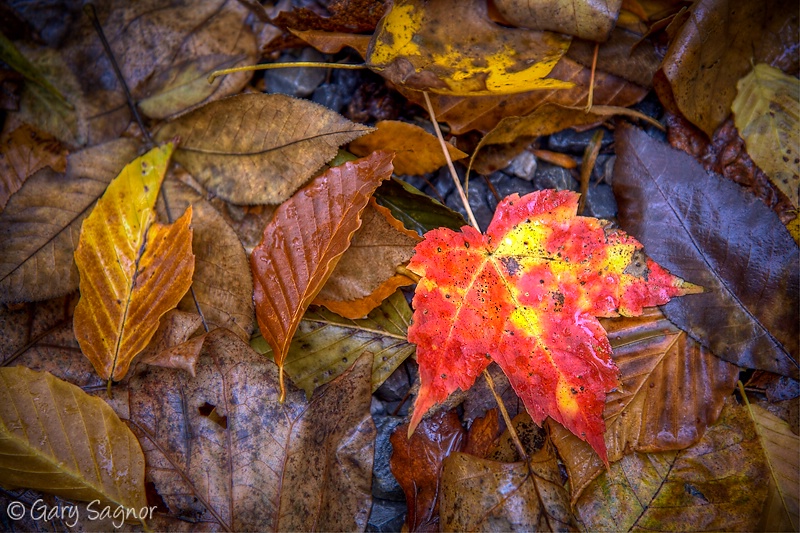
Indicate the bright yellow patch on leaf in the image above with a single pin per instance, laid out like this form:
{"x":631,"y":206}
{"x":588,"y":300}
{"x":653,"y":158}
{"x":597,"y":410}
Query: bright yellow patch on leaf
{"x":132,"y":270}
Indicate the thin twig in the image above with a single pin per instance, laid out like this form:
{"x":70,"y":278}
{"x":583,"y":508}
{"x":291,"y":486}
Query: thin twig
{"x":511,"y":430}
{"x":590,"y":98}
{"x":452,"y":168}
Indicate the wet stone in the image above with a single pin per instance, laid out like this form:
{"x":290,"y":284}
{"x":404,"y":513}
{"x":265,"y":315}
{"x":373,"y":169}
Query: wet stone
{"x":575,"y":142}
{"x":384,"y":484}
{"x":600,"y":202}
{"x":396,"y":386}
{"x":478,"y":200}
{"x":339,"y":92}
{"x":554,"y":177}
{"x":505,"y":185}
{"x":386,"y":516}
{"x":295,"y":81}
{"x":523,"y":166}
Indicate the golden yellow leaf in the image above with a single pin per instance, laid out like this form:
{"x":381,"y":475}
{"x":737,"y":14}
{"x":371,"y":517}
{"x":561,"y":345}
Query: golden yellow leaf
{"x":132,"y":270}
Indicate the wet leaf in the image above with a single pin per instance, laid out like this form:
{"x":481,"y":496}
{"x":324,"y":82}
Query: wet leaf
{"x":480,"y":495}
{"x":712,"y":486}
{"x":39,"y":227}
{"x":58,"y":439}
{"x":258,"y":148}
{"x":625,"y":55}
{"x":132,"y":269}
{"x":525,"y":295}
{"x":416,"y":210}
{"x":422,"y":46}
{"x":326,"y":344}
{"x":417,"y":464}
{"x":367,"y":272}
{"x":768,"y":118}
{"x":717,"y":46}
{"x":291,"y":466}
{"x":25,"y":151}
{"x":416,"y":151}
{"x":705,"y":228}
{"x":671,"y":390}
{"x":587,"y":20}
{"x":171,"y":346}
{"x":306,"y":238}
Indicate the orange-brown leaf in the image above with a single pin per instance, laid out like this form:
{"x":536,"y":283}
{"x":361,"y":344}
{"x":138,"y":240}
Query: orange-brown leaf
{"x":306,"y":238}
{"x":23,"y":152}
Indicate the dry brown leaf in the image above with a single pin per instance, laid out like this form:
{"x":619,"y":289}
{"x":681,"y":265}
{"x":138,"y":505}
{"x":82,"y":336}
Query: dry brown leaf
{"x":291,"y":466}
{"x":39,"y":227}
{"x":416,"y":151}
{"x":258,"y":148}
{"x":332,"y":42}
{"x":367,"y":272}
{"x":625,"y":55}
{"x":24,"y":151}
{"x":171,"y":345}
{"x":587,"y":20}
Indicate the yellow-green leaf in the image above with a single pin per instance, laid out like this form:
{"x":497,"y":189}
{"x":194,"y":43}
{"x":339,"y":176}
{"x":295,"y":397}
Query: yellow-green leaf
{"x":132,"y":270}
{"x":767,"y":115}
{"x":56,"y":438}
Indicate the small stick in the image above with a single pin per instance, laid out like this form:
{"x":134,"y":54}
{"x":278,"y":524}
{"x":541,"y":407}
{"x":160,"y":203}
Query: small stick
{"x":511,"y":431}
{"x":590,"y":98}
{"x":589,"y":158}
{"x":291,"y":64}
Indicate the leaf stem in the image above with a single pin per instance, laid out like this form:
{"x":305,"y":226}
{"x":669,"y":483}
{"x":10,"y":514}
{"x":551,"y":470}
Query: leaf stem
{"x":511,"y":430}
{"x":291,"y":64}
{"x":452,"y":168}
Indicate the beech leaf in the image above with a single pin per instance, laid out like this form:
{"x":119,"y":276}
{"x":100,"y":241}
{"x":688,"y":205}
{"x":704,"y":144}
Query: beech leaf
{"x":526,"y":295}
{"x":705,"y":227}
{"x":25,"y":151}
{"x":56,"y":438}
{"x":258,"y":148}
{"x":306,"y":238}
{"x":40,"y":226}
{"x":767,"y":115}
{"x":423,"y":46}
{"x":588,"y":20}
{"x":132,"y":269}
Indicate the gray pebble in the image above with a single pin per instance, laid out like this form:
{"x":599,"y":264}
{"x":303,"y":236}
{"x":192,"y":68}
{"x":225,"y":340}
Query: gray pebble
{"x":600,"y":201}
{"x":554,"y":177}
{"x":386,"y":516}
{"x":523,"y":166}
{"x":295,"y":81}
{"x":384,"y":484}
{"x":505,"y":185}
{"x":575,"y":142}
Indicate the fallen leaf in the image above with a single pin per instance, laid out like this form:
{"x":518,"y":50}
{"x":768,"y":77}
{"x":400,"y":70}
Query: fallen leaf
{"x":712,"y":486}
{"x":706,"y":228}
{"x":367,"y":272}
{"x":132,"y":269}
{"x":25,"y":151}
{"x":482,"y":434}
{"x":671,"y":390}
{"x":258,"y":148}
{"x":716,"y":47}
{"x":416,"y":210}
{"x":526,"y":295}
{"x":39,"y":227}
{"x":58,"y":439}
{"x":12,"y":56}
{"x":330,"y":42}
{"x":479,"y":495}
{"x":325,"y":344}
{"x":782,"y":449}
{"x":423,"y":46}
{"x":291,"y":466}
{"x":768,"y":118}
{"x":417,"y":464}
{"x":587,"y":20}
{"x":171,"y":346}
{"x":416,"y":151}
{"x":625,"y":54}
{"x":307,"y":237}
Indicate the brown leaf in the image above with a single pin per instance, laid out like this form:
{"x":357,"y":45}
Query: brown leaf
{"x":717,"y":46}
{"x":587,"y":20}
{"x":40,"y":225}
{"x":625,"y":55}
{"x":416,"y":151}
{"x":25,"y":151}
{"x":258,"y":148}
{"x":332,"y":42}
{"x":367,"y":272}
{"x":672,"y":390}
{"x":482,"y":434}
{"x":58,"y":439}
{"x":291,"y":466}
{"x":306,"y":238}
{"x":417,"y":464}
{"x":706,"y":229}
{"x":171,"y":346}
{"x":480,"y":495}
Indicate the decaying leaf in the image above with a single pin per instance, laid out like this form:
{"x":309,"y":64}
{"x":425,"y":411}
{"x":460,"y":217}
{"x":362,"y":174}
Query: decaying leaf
{"x":23,"y":152}
{"x":711,"y":486}
{"x":706,"y":228}
{"x":367,"y":272}
{"x":767,"y":111}
{"x":416,"y":151}
{"x":625,"y":55}
{"x":452,"y":47}
{"x":56,"y":438}
{"x":132,"y":269}
{"x":258,"y":148}
{"x":479,"y":495}
{"x":326,"y":344}
{"x":40,"y":226}
{"x":307,"y":237}
{"x":416,"y":210}
{"x":291,"y":466}
{"x":171,"y":345}
{"x":526,"y":295}
{"x":587,"y":20}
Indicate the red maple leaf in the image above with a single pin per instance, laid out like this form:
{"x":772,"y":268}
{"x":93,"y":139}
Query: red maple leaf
{"x":526,"y":294}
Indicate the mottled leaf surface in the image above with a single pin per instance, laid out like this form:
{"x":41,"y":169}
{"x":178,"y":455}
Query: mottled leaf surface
{"x":708,"y":230}
{"x":587,"y":20}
